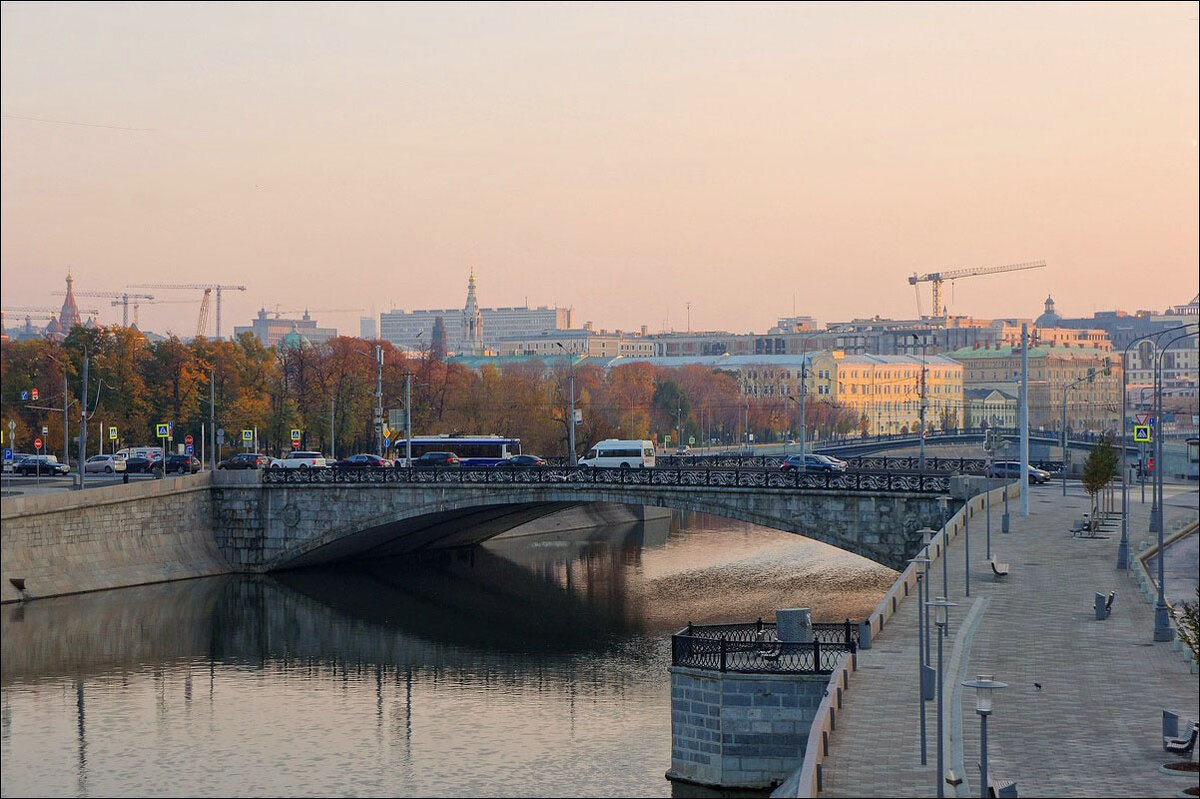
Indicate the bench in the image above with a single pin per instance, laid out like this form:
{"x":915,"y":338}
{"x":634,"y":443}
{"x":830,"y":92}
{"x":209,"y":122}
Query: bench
{"x":998,"y":569}
{"x":1103,"y":605}
{"x":1184,"y":745}
{"x":999,"y":787}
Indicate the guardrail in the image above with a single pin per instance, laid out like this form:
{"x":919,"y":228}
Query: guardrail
{"x":584,"y":475}
{"x":756,"y":648}
{"x":863,"y":462}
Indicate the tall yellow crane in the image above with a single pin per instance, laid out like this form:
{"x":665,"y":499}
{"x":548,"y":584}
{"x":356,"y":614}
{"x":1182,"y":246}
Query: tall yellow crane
{"x":936,"y":278}
{"x":208,"y":288}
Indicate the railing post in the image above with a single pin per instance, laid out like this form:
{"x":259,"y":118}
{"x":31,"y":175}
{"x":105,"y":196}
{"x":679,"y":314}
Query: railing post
{"x":758,"y":625}
{"x":849,"y":639}
{"x":816,"y":654}
{"x":722,"y":653}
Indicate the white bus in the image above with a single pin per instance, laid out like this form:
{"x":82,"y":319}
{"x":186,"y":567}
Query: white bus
{"x":620,"y":453}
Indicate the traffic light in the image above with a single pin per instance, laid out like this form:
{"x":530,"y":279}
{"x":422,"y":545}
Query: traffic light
{"x":1108,"y":366}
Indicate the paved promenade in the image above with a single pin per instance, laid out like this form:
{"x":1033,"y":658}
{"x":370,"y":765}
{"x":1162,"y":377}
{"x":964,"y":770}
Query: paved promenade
{"x":1094,"y":726}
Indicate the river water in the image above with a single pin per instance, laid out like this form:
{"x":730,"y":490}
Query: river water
{"x":529,"y":666}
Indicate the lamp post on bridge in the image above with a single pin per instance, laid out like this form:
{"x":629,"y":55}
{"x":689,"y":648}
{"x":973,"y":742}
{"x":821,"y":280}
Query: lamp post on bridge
{"x":941,"y":609}
{"x":921,"y":462}
{"x":571,"y":418}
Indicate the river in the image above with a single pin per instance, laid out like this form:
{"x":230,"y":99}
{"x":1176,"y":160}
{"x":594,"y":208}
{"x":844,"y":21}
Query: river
{"x":528,"y":666}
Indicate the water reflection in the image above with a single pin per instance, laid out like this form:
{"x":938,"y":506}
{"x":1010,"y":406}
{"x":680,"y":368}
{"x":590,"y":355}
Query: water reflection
{"x":529,"y":666}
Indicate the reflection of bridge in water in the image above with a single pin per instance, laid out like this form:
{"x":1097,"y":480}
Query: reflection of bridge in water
{"x":468,"y":611}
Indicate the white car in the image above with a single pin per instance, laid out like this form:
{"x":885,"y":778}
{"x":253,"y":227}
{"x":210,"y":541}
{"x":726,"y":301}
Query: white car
{"x":299,"y":459}
{"x":108,"y":464}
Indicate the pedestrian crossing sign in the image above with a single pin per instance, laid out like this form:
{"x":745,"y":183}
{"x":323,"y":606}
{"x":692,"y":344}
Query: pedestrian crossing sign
{"x":1141,"y":433}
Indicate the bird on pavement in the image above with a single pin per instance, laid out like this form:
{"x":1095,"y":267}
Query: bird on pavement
{"x":1037,"y":686}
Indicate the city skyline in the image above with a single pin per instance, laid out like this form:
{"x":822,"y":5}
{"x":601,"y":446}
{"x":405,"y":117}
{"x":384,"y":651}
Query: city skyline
{"x":626,"y":163}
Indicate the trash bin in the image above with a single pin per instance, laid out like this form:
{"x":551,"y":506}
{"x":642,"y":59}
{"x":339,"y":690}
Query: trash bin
{"x":1101,"y":613}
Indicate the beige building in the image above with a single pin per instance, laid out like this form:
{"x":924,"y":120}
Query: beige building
{"x":990,"y":407}
{"x":585,"y":342}
{"x":885,"y":391}
{"x":1092,"y":404}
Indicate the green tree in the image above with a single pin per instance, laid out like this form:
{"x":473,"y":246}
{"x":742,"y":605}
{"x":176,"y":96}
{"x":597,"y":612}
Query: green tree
{"x":1187,"y":620}
{"x":1100,"y":469}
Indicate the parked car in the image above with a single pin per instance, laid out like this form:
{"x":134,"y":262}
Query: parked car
{"x":682,"y":449}
{"x":108,"y":464}
{"x":363,"y":461}
{"x":436,"y":460}
{"x":522,"y":462}
{"x":16,"y":458}
{"x":837,"y":461}
{"x":183,"y":464}
{"x":246,"y":460}
{"x":1013,"y":469}
{"x":138,"y":464}
{"x":40,"y":464}
{"x":299,"y":459}
{"x":812,"y":463}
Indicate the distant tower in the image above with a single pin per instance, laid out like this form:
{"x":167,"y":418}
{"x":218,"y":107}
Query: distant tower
{"x":437,"y":341}
{"x":472,"y":322}
{"x":69,"y":317}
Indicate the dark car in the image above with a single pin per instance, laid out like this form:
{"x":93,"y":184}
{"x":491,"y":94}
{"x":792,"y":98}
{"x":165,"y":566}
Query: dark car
{"x":522,"y":462}
{"x":1012,"y":469}
{"x":245,"y":460}
{"x":363,"y":461}
{"x":138,"y":465}
{"x":812,"y":463}
{"x":40,"y":465}
{"x":183,"y":464}
{"x":436,"y":460}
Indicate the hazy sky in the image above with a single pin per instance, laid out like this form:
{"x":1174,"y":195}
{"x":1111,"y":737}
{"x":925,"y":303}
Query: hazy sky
{"x":623,"y":159}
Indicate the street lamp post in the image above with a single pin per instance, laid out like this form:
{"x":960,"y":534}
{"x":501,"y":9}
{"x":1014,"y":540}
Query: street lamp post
{"x":984,"y":685}
{"x":571,"y":418}
{"x":1089,"y":376}
{"x":1162,"y":622}
{"x":921,"y":461}
{"x":941,"y":609}
{"x":944,"y":502}
{"x":921,"y":650}
{"x":379,"y":400}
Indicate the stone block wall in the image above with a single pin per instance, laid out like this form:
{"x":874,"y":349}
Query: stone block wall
{"x":737,"y":730}
{"x":74,"y":541}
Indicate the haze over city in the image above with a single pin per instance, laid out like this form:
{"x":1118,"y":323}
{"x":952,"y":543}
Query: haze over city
{"x":623,"y":160}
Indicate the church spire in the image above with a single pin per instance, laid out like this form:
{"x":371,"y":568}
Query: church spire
{"x":69,"y":317}
{"x":472,"y":321}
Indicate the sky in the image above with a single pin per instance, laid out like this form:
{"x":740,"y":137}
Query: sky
{"x":627,"y":160}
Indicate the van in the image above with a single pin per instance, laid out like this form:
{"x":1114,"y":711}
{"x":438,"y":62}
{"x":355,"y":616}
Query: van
{"x":614,"y":452}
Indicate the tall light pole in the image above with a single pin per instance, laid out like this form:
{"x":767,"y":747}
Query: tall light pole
{"x":83,"y":421}
{"x":1162,"y":617}
{"x":941,"y":609}
{"x":921,"y":461}
{"x":920,"y":648}
{"x":984,"y":685}
{"x":379,"y":400}
{"x":571,"y":415}
{"x":1089,"y":376}
{"x":1024,"y":419}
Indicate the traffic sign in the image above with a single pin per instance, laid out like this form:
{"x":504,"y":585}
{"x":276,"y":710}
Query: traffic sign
{"x":396,"y":418}
{"x":220,"y":435}
{"x":1141,"y":433}
{"x":187,"y":440}
{"x":45,"y":430}
{"x":34,"y":393}
{"x":188,"y":449}
{"x":163,"y":430}
{"x":1142,"y":418}
{"x":37,"y":443}
{"x":7,"y":454}
{"x":24,"y":396}
{"x":112,"y":434}
{"x":691,"y":440}
{"x":295,"y":434}
{"x":295,"y":445}
{"x":247,"y":436}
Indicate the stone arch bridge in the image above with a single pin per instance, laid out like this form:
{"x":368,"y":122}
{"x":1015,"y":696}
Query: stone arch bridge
{"x":281,"y":520}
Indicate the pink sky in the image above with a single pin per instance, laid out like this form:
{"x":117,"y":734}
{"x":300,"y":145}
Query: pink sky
{"x":622,"y":159}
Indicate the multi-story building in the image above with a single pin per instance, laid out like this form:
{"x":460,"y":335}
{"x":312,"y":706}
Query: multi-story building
{"x":410,"y":330}
{"x":885,"y":391}
{"x":271,"y":328}
{"x":586,"y":342}
{"x":990,"y":407}
{"x":1092,"y":404}
{"x":367,"y":328}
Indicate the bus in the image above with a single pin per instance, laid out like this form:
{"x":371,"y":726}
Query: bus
{"x":471,"y":450}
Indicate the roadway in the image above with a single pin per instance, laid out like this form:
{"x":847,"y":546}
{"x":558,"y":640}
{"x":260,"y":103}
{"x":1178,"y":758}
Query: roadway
{"x":19,"y":484}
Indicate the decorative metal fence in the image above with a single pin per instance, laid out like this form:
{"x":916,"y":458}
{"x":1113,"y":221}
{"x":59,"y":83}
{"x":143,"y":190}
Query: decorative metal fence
{"x":756,"y":648}
{"x":583,"y":475}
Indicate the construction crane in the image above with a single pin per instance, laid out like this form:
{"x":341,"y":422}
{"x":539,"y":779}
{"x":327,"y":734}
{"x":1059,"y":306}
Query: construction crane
{"x":30,"y":309}
{"x":137,"y":303}
{"x":123,"y":298}
{"x":936,"y":278}
{"x":208,"y":288}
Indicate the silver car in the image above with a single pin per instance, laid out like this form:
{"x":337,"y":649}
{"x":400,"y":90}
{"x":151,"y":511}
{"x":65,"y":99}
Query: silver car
{"x":107,"y":464}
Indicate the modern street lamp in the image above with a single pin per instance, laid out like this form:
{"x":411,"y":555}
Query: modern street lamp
{"x":1091,"y":375}
{"x":942,"y":610}
{"x":921,"y":462}
{"x":944,"y":502}
{"x":571,"y":418}
{"x":1123,"y":550}
{"x":921,"y":649}
{"x":1162,"y":616}
{"x":984,"y":685}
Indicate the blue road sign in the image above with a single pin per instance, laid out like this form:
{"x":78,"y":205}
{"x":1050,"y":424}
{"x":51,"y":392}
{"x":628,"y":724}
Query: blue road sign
{"x":7,"y":454}
{"x":24,"y":396}
{"x":189,"y":449}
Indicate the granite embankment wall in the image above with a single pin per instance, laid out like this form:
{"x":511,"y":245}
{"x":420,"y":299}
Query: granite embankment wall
{"x":70,"y":542}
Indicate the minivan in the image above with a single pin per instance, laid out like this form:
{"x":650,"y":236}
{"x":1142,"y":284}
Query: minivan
{"x":624,"y":454}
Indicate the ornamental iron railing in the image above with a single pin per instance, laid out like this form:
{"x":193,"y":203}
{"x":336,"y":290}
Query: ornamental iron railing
{"x":756,"y":648}
{"x":734,"y":477}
